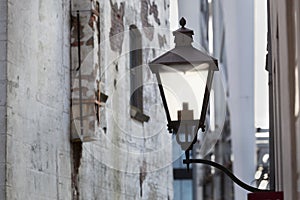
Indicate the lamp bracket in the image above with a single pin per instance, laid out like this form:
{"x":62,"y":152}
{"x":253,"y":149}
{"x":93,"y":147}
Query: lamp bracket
{"x":227,"y":172}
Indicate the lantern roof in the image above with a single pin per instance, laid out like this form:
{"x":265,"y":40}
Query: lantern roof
{"x":185,"y":55}
{"x":184,"y":52}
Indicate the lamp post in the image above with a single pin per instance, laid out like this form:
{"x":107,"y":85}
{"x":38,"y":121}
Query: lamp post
{"x":184,"y":76}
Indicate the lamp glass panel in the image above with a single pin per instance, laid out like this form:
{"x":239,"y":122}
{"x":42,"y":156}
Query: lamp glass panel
{"x":184,"y":84}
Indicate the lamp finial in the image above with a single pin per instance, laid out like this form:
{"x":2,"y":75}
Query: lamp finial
{"x":183,"y":35}
{"x":182,"y":22}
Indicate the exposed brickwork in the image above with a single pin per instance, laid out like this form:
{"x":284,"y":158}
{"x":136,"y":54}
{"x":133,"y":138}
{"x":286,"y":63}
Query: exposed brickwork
{"x":74,"y":32}
{"x":89,"y":44}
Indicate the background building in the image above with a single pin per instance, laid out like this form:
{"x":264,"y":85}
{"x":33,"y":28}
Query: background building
{"x":283,"y":66}
{"x":235,"y":33}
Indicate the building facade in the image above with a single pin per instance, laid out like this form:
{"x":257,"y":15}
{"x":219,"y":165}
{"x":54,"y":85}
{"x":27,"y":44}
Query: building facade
{"x":72,"y":124}
{"x":283,"y":64}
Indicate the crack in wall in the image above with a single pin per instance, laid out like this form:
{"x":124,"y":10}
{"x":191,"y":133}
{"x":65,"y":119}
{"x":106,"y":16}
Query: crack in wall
{"x":76,"y":161}
{"x":143,"y":174}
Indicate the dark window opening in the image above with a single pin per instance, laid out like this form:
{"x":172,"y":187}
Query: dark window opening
{"x":136,"y":75}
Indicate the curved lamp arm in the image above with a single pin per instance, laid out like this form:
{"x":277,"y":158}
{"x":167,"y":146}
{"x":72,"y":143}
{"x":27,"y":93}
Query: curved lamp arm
{"x":227,"y":172}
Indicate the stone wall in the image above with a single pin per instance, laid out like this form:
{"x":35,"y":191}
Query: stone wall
{"x":38,"y":89}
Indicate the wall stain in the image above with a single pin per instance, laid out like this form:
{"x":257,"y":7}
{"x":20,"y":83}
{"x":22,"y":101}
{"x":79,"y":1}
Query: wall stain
{"x":143,"y":174}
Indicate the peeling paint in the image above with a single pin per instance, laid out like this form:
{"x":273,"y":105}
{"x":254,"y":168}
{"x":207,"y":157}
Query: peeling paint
{"x":153,"y":10}
{"x":102,"y":175}
{"x":161,"y":40}
{"x":144,"y":17}
{"x":148,"y":9}
{"x":116,"y":33}
{"x":94,"y":24}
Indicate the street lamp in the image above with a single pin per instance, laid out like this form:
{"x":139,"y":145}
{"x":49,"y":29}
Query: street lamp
{"x":184,"y":76}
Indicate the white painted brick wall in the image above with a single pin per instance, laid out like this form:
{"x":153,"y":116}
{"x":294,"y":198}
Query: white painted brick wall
{"x":39,"y":162}
{"x":110,"y":168}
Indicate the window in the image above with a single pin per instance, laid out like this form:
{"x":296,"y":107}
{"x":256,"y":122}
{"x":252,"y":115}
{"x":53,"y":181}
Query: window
{"x":136,"y":75}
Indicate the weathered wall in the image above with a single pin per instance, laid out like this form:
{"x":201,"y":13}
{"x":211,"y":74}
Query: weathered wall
{"x":3,"y":84}
{"x":38,"y":61}
{"x":130,"y":159}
